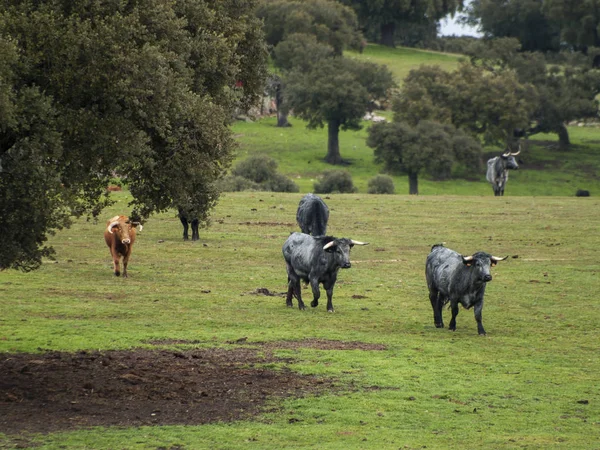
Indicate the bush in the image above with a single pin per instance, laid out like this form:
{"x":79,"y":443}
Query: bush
{"x":234,"y":183}
{"x":381,"y":184}
{"x":258,"y":168}
{"x":280,"y":183}
{"x":335,"y":181}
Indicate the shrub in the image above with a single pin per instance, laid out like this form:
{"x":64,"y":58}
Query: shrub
{"x":280,"y":183}
{"x":381,"y":184}
{"x":258,"y":168}
{"x":234,"y":183}
{"x":335,"y":181}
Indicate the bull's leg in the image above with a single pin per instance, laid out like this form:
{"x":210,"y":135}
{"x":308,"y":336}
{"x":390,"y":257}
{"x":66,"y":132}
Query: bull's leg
{"x":195,"y":234}
{"x":184,"y":222}
{"x":436,"y":304}
{"x":454,"y":308}
{"x":329,"y":299}
{"x":290,"y":294}
{"x":116,"y":257}
{"x":314,"y":284}
{"x":125,"y":262}
{"x":477,"y":311}
{"x":298,"y":290}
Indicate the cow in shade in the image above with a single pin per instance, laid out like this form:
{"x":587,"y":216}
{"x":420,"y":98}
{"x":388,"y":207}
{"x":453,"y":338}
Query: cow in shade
{"x":497,"y":170}
{"x":187,"y":220}
{"x":315,"y":260}
{"x":312,"y":215}
{"x":120,"y":236}
{"x":454,"y":278}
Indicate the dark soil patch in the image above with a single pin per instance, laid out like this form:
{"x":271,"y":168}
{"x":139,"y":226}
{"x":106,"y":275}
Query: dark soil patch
{"x":322,"y":344}
{"x":55,"y":391}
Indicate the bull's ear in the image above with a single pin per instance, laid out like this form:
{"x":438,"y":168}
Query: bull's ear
{"x":467,"y":260}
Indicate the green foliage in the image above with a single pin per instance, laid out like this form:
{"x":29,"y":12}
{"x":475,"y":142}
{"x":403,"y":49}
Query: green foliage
{"x":334,"y":181}
{"x":330,"y":22}
{"x":236,"y":183}
{"x":141,"y":88}
{"x":484,"y":102}
{"x":430,"y":146}
{"x":567,"y":84}
{"x":579,"y":21}
{"x":261,"y":171}
{"x":381,"y":184}
{"x":384,"y":19}
{"x":338,"y":93}
{"x":524,"y":20}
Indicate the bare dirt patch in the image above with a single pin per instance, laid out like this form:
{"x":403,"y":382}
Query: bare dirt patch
{"x":56,"y":391}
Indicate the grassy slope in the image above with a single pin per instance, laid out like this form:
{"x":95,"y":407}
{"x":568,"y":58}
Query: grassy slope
{"x":519,"y":386}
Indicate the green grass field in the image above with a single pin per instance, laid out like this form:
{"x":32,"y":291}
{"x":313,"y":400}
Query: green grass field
{"x":532,"y":382}
{"x":521,"y":386}
{"x":544,"y":170}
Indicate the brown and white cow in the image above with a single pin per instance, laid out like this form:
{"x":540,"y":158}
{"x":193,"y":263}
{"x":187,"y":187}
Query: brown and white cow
{"x":120,"y":236}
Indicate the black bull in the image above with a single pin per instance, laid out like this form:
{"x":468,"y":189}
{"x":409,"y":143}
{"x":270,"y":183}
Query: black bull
{"x":497,"y":170}
{"x":454,"y":278}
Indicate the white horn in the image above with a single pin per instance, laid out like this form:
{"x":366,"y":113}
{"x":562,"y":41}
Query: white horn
{"x":112,"y":224}
{"x":329,"y":245}
{"x":467,"y":258}
{"x":358,"y":242}
{"x":496,"y":259}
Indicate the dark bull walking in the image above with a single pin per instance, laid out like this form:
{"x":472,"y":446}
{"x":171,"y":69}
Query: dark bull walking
{"x":315,"y":260}
{"x":454,"y":278}
{"x":497,"y":170}
{"x":312,"y":215}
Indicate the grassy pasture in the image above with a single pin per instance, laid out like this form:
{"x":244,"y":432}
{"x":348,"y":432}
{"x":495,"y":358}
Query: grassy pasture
{"x":520,"y":386}
{"x":544,"y":170}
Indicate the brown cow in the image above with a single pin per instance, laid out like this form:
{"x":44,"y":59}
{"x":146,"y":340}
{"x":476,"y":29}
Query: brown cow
{"x":120,"y":236}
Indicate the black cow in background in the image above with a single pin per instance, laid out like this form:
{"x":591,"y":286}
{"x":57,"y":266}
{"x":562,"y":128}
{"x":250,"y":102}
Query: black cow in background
{"x":454,"y":278}
{"x":312,"y":215}
{"x":315,"y":260}
{"x":497,"y":170}
{"x":187,"y":220}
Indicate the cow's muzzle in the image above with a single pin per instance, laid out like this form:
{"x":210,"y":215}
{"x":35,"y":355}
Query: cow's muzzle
{"x":346,"y":265}
{"x":126,"y":241}
{"x":487,"y":278}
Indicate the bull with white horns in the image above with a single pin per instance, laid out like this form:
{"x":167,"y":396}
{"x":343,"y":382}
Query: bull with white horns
{"x":120,"y":236}
{"x":497,"y":170}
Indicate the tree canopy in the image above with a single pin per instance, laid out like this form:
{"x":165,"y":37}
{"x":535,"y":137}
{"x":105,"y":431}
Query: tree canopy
{"x":430,"y":146}
{"x":388,"y":15}
{"x":336,"y":92}
{"x":141,"y":88}
{"x":483,"y":102}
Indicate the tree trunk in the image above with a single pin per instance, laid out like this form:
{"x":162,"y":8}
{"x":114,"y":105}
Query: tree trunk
{"x":387,"y":34}
{"x":282,"y":113}
{"x":282,"y":119}
{"x":333,"y":143}
{"x":564,"y":143}
{"x":413,"y":183}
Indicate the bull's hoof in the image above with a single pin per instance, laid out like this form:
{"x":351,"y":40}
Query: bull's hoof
{"x":289,"y":305}
{"x":314,"y":303}
{"x":301,"y":307}
{"x":117,"y":274}
{"x":330,"y":310}
{"x":439,"y":325}
{"x":483,"y":334}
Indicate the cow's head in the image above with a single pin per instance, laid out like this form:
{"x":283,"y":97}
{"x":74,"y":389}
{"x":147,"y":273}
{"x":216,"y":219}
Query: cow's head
{"x":122,"y":228}
{"x":509,"y":161}
{"x":340,"y":248}
{"x":481,"y":263}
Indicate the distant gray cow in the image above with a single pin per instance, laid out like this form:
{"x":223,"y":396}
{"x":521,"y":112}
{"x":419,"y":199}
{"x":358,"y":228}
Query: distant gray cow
{"x":315,"y":260}
{"x":454,"y":278}
{"x":497,"y":170}
{"x":312,"y":215}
